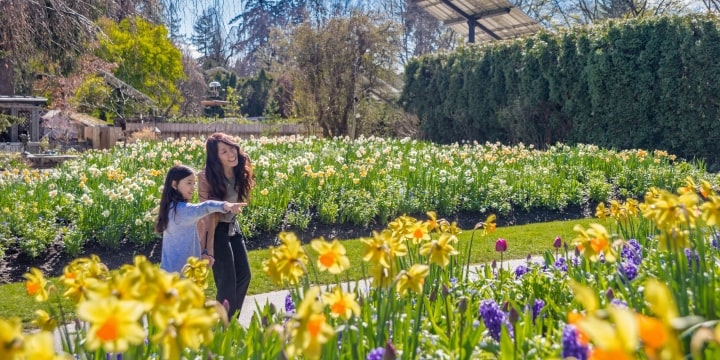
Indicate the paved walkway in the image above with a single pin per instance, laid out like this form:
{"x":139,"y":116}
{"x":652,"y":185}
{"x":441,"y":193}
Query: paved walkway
{"x":277,"y":298}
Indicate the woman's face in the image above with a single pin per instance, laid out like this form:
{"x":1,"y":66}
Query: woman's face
{"x":228,"y":155}
{"x":186,"y":187}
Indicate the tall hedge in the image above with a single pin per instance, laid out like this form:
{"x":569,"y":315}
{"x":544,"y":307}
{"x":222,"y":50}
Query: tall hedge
{"x":644,"y":83}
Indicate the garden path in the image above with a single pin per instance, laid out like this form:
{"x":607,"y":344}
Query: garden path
{"x":255,"y":302}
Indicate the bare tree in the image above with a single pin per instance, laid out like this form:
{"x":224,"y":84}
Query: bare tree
{"x":193,"y":88}
{"x":337,"y":62}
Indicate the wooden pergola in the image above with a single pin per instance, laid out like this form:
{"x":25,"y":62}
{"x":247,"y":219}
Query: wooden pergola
{"x":497,"y":19}
{"x":24,"y":104}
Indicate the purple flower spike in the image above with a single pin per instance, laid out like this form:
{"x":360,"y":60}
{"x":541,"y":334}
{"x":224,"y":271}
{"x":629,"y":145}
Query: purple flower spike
{"x":494,"y":318}
{"x":376,"y":354}
{"x":520,"y":271}
{"x":571,"y":347}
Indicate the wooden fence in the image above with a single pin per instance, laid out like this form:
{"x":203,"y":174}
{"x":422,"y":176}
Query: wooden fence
{"x":177,"y":130}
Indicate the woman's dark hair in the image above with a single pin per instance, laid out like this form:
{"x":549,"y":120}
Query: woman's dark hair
{"x":171,"y":196}
{"x":245,"y":179}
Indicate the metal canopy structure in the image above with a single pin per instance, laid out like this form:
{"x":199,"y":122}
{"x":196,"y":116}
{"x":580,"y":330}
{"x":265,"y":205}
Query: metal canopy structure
{"x":496,"y":19}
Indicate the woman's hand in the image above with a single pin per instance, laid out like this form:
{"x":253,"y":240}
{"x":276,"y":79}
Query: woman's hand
{"x":209,"y":258}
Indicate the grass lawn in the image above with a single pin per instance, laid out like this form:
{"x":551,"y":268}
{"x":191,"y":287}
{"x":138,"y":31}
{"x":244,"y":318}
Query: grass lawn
{"x":523,"y":240}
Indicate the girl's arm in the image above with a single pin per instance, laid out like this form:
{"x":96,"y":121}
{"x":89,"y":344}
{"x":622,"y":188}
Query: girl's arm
{"x":206,"y":226}
{"x":193,"y":213}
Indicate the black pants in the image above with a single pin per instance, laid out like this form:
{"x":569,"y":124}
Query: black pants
{"x":231,"y":269}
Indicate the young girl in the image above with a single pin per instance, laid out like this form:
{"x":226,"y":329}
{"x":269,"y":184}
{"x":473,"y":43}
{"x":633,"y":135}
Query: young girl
{"x":177,"y":219}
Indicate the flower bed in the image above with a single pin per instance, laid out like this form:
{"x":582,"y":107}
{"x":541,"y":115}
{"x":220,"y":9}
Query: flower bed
{"x":107,"y":196}
{"x":644,"y":285}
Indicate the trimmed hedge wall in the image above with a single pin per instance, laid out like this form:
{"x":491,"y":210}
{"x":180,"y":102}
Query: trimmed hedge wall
{"x":643,"y":83}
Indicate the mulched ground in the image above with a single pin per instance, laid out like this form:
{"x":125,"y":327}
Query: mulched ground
{"x":14,"y":264}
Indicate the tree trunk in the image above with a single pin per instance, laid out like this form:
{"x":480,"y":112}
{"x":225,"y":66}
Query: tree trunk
{"x":6,"y":77}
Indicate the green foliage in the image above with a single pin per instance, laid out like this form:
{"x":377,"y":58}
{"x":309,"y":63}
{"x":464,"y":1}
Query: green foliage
{"x":95,"y":97}
{"x":256,"y":93}
{"x":625,"y":84}
{"x":6,"y":121}
{"x":146,"y":58}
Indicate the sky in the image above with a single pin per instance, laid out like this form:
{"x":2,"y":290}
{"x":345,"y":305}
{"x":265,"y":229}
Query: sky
{"x":192,"y":9}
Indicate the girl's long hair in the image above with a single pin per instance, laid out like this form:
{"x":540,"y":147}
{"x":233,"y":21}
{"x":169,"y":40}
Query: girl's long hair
{"x":245,"y":179}
{"x":170,"y":196}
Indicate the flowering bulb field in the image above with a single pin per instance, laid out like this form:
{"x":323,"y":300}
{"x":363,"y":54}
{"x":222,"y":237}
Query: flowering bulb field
{"x":107,"y":196}
{"x":642,"y":283}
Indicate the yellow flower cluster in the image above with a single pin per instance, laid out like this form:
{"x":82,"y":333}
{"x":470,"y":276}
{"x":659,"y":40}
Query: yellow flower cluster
{"x":118,"y":307}
{"x":676,"y":214}
{"x":384,"y":248}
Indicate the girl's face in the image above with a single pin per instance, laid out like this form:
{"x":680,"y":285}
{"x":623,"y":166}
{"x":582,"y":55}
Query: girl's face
{"x":228,"y":155}
{"x":186,"y":187}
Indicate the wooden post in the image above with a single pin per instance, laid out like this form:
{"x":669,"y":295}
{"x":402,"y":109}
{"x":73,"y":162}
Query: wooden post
{"x":35,"y":124}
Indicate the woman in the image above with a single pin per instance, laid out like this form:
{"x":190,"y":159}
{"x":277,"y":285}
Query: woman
{"x":228,"y":176}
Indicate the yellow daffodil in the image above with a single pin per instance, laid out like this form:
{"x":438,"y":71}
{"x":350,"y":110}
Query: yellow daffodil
{"x":653,"y":334}
{"x":661,"y":301}
{"x":601,"y":212}
{"x":309,"y":328}
{"x":450,"y":227}
{"x":412,"y":279}
{"x":189,"y":329}
{"x":39,"y":346}
{"x":82,"y":274}
{"x":668,"y":210}
{"x":594,"y":241}
{"x":431,"y":221}
{"x":11,"y":339}
{"x":270,"y":267}
{"x":488,"y":226}
{"x":383,"y":247}
{"x":331,"y":256}
{"x":376,"y":251}
{"x":44,"y":321}
{"x":440,"y":250}
{"x":417,"y":232}
{"x":382,"y":276}
{"x":706,"y":189}
{"x":673,"y":239}
{"x":289,"y":259}
{"x":114,"y":324}
{"x":711,"y":210}
{"x":585,"y":296}
{"x":342,"y":304}
{"x":197,"y":271}
{"x":36,"y":285}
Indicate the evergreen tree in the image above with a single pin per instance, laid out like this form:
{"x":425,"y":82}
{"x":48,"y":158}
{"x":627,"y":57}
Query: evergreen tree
{"x":208,"y":39}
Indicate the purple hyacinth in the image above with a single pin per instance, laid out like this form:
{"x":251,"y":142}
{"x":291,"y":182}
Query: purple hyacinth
{"x":628,"y":270}
{"x":575,"y":261}
{"x":690,"y":254}
{"x":632,"y":252}
{"x":289,"y":304}
{"x":561,"y":264}
{"x":619,"y":303}
{"x":494,"y":318}
{"x":571,"y":347}
{"x":520,"y":271}
{"x":537,"y":307}
{"x":376,"y":354}
{"x":714,"y":241}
